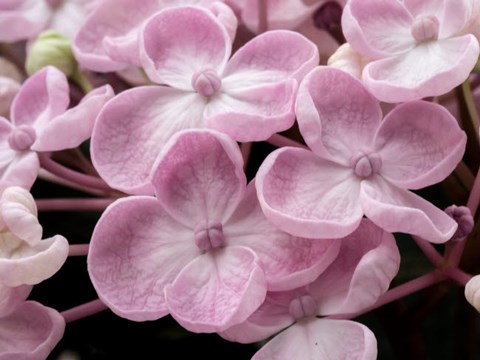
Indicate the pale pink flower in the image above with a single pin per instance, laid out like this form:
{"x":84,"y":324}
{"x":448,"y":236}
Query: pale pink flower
{"x":360,"y":165}
{"x":10,"y":82}
{"x":202,"y":250}
{"x":368,"y":260}
{"x":249,"y":96}
{"x":417,"y":47}
{"x":40,"y":121}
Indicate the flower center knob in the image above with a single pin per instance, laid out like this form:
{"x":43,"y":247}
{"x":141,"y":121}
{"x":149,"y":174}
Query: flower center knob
{"x":209,"y":236}
{"x":206,"y":82}
{"x":21,"y":138}
{"x":303,"y":306}
{"x":425,"y":28}
{"x":366,"y":165}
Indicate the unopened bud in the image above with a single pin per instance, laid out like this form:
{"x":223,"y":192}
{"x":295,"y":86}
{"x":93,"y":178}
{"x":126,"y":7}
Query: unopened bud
{"x":463,"y":216}
{"x":472,"y":292}
{"x":51,"y":48}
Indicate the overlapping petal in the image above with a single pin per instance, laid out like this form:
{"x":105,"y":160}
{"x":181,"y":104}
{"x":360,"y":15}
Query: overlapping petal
{"x":312,"y":339}
{"x":10,"y":297}
{"x":378,"y":28}
{"x":23,"y":19}
{"x":420,"y":144}
{"x":217,"y":290}
{"x":133,"y":127}
{"x":367,"y":262}
{"x":199,"y":177}
{"x":137,"y":249}
{"x":337,"y":116}
{"x":430,"y":69}
{"x":43,"y":96}
{"x":288,"y":262}
{"x":398,"y":210}
{"x":74,"y":126}
{"x":30,"y":332}
{"x":203,"y":41}
{"x":308,"y":196}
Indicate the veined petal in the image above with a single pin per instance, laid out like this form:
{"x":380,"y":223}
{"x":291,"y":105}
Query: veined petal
{"x":30,"y":332}
{"x":22,"y":170}
{"x":308,"y":196}
{"x":337,"y":116}
{"x":178,"y":42}
{"x":420,"y":144}
{"x":378,"y":28}
{"x":199,"y":176}
{"x":218,"y":289}
{"x":430,"y":69}
{"x":133,"y":127}
{"x":312,"y":339}
{"x":42,"y":97}
{"x":288,"y":262}
{"x":253,"y":114}
{"x":398,"y":210}
{"x":31,"y":265}
{"x":269,"y":58}
{"x":135,"y":251}
{"x":74,"y":126}
{"x":367,"y":262}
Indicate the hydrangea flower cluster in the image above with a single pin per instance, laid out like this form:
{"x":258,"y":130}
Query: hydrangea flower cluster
{"x":240,"y":184}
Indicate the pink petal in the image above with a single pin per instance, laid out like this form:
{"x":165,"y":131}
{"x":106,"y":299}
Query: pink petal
{"x":260,"y":62}
{"x":217,"y":290}
{"x":331,"y":102}
{"x":43,"y":96}
{"x":199,"y":176}
{"x":10,"y":298}
{"x":178,"y":42}
{"x":420,"y":144}
{"x":271,"y":317}
{"x":30,"y":332}
{"x":23,"y":19}
{"x":398,"y":210}
{"x":31,"y":265}
{"x":377,"y":28}
{"x":18,"y":212}
{"x":253,"y":114}
{"x":112,"y":23}
{"x":313,"y":339}
{"x":137,"y":249}
{"x":367,"y":262}
{"x":308,"y":196}
{"x":69,"y":16}
{"x":420,"y":73}
{"x":73,"y":127}
{"x":21,"y":170}
{"x":451,"y":14}
{"x":133,"y":127}
{"x":288,"y":262}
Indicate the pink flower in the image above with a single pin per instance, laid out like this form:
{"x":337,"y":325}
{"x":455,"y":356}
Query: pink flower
{"x":108,"y":41}
{"x":249,"y":97}
{"x":202,"y":250}
{"x":367,"y":262}
{"x":417,"y":48}
{"x":29,"y":329}
{"x":360,"y":165}
{"x":40,"y":122}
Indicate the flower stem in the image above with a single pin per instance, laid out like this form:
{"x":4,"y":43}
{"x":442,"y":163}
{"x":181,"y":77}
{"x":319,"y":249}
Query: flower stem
{"x":78,"y":250}
{"x":262,"y":16}
{"x":71,"y":204}
{"x":83,"y":311}
{"x":430,"y":252}
{"x":246,"y":149}
{"x":458,"y":275}
{"x":281,"y":141}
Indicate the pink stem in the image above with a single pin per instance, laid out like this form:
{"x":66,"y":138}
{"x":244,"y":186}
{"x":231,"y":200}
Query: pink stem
{"x":45,"y":175}
{"x":430,"y":252}
{"x":458,"y":275}
{"x":281,"y":141}
{"x":70,"y":204}
{"x":84,"y":310}
{"x":246,"y":149}
{"x":78,"y":250}
{"x":399,"y":292}
{"x":65,"y":173}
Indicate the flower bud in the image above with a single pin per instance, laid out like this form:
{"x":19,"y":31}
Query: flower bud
{"x":51,"y":48}
{"x":472,"y":292}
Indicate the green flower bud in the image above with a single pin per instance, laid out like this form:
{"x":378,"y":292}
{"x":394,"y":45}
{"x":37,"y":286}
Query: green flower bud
{"x":51,"y":48}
